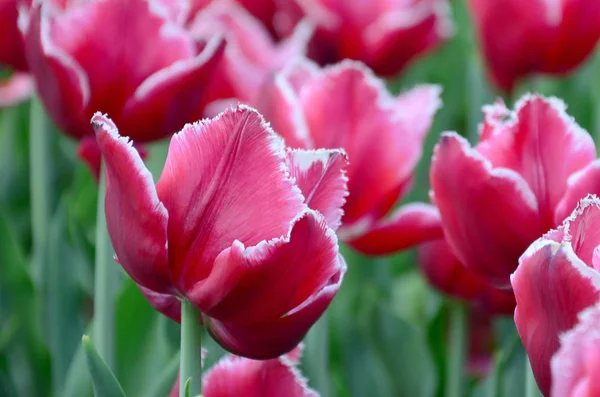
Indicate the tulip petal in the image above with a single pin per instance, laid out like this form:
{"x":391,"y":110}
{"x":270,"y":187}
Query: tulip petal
{"x":15,"y":90}
{"x":167,"y":304}
{"x":409,"y":225}
{"x":237,"y":376}
{"x":267,"y":281}
{"x":415,"y":28}
{"x":135,"y":217}
{"x":173,"y":95}
{"x":61,"y":83}
{"x":552,"y":285}
{"x":278,"y":336}
{"x":345,"y":107}
{"x":478,"y":206}
{"x":576,"y":365}
{"x":579,"y":185}
{"x":11,"y":42}
{"x":209,"y":182}
{"x":321,"y":177}
{"x":541,"y":143}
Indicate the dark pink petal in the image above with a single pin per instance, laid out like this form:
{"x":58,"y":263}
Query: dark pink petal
{"x":135,"y":217}
{"x":267,"y":281}
{"x":270,"y":339}
{"x":12,"y":51}
{"x":236,"y":376}
{"x":172,"y":96}
{"x":541,"y":143}
{"x":16,"y":89}
{"x":580,"y":230}
{"x":579,"y":185}
{"x":409,"y":225}
{"x":224,"y":179}
{"x":167,"y":304}
{"x":345,"y":107}
{"x":62,"y":84}
{"x":399,"y":35}
{"x":552,"y":285}
{"x":576,"y":365}
{"x":445,"y":272}
{"x":479,"y":205}
{"x":132,"y":31}
{"x":321,"y":177}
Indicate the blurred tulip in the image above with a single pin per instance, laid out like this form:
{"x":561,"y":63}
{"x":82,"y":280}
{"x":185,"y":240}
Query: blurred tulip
{"x":445,"y":272}
{"x":121,"y":57}
{"x":521,"y":38}
{"x":251,"y":55}
{"x":240,"y":377}
{"x":558,"y":276}
{"x":481,"y":343}
{"x":523,"y":178}
{"x":346,"y":106}
{"x":385,"y":35}
{"x":236,"y":224}
{"x":15,"y":89}
{"x":576,"y":365}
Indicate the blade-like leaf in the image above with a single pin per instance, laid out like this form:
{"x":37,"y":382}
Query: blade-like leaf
{"x":104,"y":381}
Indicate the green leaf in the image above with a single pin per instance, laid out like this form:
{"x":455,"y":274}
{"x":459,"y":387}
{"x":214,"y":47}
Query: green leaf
{"x":104,"y":381}
{"x":164,"y":382}
{"x":186,"y":387}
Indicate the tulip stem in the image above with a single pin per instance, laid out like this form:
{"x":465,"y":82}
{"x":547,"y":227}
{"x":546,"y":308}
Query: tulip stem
{"x":190,"y":366}
{"x":40,"y":162}
{"x":316,"y":362}
{"x":531,"y":388}
{"x":105,"y":282}
{"x":456,"y":350}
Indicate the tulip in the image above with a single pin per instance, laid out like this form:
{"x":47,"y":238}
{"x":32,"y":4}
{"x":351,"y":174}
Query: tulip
{"x":385,"y":35}
{"x":558,"y":276}
{"x":346,"y":106}
{"x":576,"y":365}
{"x":251,"y":55}
{"x":525,"y":175}
{"x":240,"y":377}
{"x":115,"y":56}
{"x":522,"y":38}
{"x":445,"y":272}
{"x":239,"y":226}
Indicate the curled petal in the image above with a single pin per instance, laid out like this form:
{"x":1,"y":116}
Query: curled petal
{"x":15,"y":90}
{"x":478,"y":206}
{"x":269,"y":280}
{"x":321,"y":177}
{"x":270,"y":339}
{"x":576,"y":365}
{"x":135,"y":217}
{"x":167,"y":304}
{"x":409,"y":225}
{"x":542,"y":144}
{"x":173,"y":95}
{"x":215,"y":172}
{"x":552,"y":285}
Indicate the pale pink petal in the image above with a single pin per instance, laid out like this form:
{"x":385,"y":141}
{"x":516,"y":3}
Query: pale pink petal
{"x":346,"y":107}
{"x":409,"y":225}
{"x":479,"y":205}
{"x":16,"y":89}
{"x":576,"y":365}
{"x":135,"y":217}
{"x":236,"y":377}
{"x":579,"y":185}
{"x":224,"y":179}
{"x":418,"y":107}
{"x":321,"y":177}
{"x":553,"y":283}
{"x":541,"y":143}
{"x":264,"y":282}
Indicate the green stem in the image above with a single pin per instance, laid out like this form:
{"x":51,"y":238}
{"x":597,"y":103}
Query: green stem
{"x":190,"y":366}
{"x":316,"y":361}
{"x":40,"y":161}
{"x":105,"y":283}
{"x":531,"y":388}
{"x":456,"y":350}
